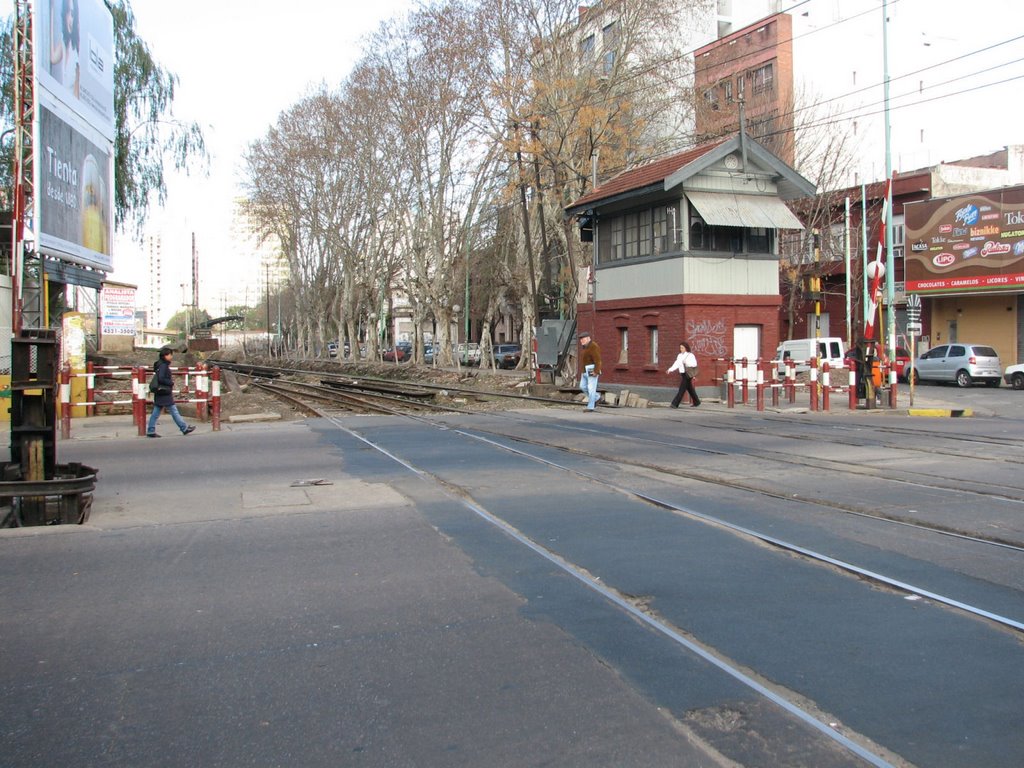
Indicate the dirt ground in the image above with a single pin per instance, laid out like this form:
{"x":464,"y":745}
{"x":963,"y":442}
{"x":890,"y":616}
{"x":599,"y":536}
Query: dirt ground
{"x":239,"y":397}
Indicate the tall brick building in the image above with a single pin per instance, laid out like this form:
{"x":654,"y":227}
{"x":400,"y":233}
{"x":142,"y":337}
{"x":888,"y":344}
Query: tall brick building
{"x":753,"y":65}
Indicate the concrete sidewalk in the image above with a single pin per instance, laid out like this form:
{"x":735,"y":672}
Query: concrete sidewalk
{"x":121,"y":427}
{"x":711,"y":397}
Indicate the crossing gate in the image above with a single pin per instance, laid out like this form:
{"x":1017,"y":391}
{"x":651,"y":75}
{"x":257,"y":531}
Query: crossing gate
{"x":777,"y":380}
{"x":199,"y":385}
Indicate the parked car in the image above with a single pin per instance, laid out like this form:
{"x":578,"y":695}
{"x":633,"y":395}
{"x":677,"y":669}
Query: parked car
{"x":828,"y":349}
{"x":1014,"y":375}
{"x":399,"y":353}
{"x":430,"y":351}
{"x":507,"y":355}
{"x":901,"y":362}
{"x":962,"y":364}
{"x":332,"y":349}
{"x":469,"y":354}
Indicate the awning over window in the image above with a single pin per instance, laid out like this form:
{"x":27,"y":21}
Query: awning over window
{"x":732,"y":210}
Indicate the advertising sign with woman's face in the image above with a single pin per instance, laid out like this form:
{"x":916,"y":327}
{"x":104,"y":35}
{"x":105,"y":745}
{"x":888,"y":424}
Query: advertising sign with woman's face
{"x":74,"y":58}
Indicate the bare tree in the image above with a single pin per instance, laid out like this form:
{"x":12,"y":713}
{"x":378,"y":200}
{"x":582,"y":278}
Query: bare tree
{"x":294,"y":181}
{"x":577,"y":89}
{"x":825,"y":153}
{"x":370,"y":205}
{"x":432,"y":64}
{"x":458,"y":139}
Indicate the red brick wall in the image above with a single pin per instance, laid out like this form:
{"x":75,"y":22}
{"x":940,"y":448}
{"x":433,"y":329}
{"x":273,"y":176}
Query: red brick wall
{"x":705,"y":321}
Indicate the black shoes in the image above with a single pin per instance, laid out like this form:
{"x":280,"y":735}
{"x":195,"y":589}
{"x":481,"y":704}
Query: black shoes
{"x":189,"y":430}
{"x":152,"y":434}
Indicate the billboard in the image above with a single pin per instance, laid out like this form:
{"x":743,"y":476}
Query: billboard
{"x":74,"y":58}
{"x":969,"y":243}
{"x":73,"y":44}
{"x":74,"y":192}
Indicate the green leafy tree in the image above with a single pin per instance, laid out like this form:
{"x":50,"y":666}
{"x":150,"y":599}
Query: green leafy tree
{"x":186,"y":318}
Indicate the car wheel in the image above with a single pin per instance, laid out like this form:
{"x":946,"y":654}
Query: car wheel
{"x":963,"y":378}
{"x":914,"y":378}
{"x":1017,"y":380}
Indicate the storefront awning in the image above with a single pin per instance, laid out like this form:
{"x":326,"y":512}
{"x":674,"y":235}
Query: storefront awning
{"x":732,"y":210}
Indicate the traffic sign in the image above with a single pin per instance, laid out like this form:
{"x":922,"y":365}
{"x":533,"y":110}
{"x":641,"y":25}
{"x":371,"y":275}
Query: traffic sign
{"x":914,"y":328}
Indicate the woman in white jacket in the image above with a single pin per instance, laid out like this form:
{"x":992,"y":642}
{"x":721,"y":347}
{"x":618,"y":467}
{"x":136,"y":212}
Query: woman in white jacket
{"x":686,"y":364}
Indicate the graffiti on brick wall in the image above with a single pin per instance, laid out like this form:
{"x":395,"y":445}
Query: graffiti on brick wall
{"x":706,"y":337}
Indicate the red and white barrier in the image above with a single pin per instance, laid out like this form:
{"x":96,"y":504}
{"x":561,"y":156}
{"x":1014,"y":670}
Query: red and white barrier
{"x":137,"y":395}
{"x":819,"y":385}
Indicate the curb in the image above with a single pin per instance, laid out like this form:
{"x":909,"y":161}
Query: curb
{"x":940,"y":412}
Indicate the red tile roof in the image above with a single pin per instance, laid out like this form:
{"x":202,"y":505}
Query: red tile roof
{"x":645,"y":175}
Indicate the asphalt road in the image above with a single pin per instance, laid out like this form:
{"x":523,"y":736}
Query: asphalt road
{"x":214,"y":613}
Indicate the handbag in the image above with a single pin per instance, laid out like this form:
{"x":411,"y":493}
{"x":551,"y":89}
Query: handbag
{"x":156,"y":388}
{"x":691,"y":371}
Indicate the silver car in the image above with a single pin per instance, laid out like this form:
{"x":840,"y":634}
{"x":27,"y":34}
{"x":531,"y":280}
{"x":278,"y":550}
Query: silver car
{"x":962,"y":364}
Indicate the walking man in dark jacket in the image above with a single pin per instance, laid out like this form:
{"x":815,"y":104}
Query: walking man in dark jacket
{"x":590,"y":361}
{"x":163,"y":398}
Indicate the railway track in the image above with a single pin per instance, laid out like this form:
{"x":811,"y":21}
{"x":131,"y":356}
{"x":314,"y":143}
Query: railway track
{"x":595,"y":472}
{"x":638,"y":457}
{"x":379,"y":395}
{"x":335,"y":397}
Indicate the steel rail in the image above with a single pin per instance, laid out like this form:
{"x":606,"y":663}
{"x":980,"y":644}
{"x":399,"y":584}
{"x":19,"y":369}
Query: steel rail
{"x":425,"y":385}
{"x":366,"y":401}
{"x":794,"y":461}
{"x":613,"y":597}
{"x":766,"y":538}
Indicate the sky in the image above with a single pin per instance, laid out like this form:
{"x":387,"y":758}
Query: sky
{"x":240,"y":64}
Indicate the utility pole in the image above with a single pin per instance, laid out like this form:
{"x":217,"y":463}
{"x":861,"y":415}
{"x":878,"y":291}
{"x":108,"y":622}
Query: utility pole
{"x":816,"y":281}
{"x":890,"y":285}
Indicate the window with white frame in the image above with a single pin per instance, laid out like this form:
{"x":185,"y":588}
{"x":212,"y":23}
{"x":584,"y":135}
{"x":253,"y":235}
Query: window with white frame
{"x":708,"y":237}
{"x":639,"y":234}
{"x":617,"y":250}
{"x":660,"y":228}
{"x":623,"y":346}
{"x":654,"y":346}
{"x":587,"y":47}
{"x":610,"y":45}
{"x":762,"y":79}
{"x":632,"y":236}
{"x":645,"y":242}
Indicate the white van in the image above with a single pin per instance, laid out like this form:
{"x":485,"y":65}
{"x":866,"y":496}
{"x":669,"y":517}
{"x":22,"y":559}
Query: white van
{"x":828,"y":349}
